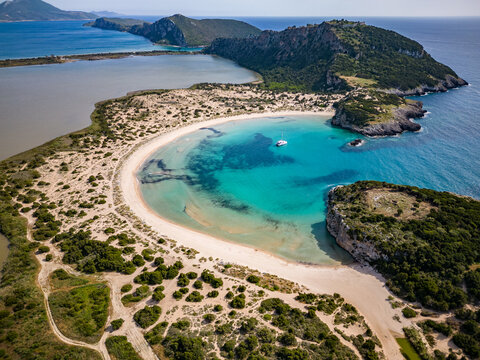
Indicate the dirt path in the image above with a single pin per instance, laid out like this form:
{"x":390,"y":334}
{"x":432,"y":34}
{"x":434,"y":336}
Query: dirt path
{"x":46,"y":268}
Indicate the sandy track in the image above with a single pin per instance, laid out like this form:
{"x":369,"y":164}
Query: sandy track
{"x":360,"y":286}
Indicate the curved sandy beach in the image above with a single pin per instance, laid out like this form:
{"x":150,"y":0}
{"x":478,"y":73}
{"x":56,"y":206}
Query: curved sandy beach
{"x":360,"y":286}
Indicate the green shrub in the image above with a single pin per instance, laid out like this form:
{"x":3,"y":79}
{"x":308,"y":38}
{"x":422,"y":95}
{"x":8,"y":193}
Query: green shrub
{"x":120,"y":348}
{"x":253,"y":279}
{"x":194,"y":296}
{"x":117,"y":324}
{"x":147,"y":316}
{"x":126,"y":288}
{"x":238,"y":302}
{"x":408,"y":312}
{"x":212,"y":294}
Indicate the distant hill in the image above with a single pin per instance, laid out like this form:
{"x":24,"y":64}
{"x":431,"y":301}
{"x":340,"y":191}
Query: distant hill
{"x":180,"y":30}
{"x":339,"y":55}
{"x":23,"y":10}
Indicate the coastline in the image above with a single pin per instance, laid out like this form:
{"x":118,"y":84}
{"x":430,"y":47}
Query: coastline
{"x":62,"y":59}
{"x":359,"y":285}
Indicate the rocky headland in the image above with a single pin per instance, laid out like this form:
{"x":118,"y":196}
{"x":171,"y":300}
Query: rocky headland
{"x":365,"y":62}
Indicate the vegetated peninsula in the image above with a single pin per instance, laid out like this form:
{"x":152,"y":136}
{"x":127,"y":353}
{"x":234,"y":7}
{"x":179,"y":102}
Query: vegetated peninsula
{"x":425,"y":242}
{"x":37,"y":10}
{"x":376,"y":67}
{"x":180,"y":30}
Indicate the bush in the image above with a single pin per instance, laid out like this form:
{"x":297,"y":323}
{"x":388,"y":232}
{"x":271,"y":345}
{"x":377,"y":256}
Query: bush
{"x":209,"y":318}
{"x":117,"y":324}
{"x":158,"y":294}
{"x":209,"y":278}
{"x":253,"y":279}
{"x":238,"y":302}
{"x":177,"y":295}
{"x":192,"y":275}
{"x":154,"y":336}
{"x":212,"y":294}
{"x":218,"y":308}
{"x":120,"y":348}
{"x":147,"y":316}
{"x":43,"y":249}
{"x":198,"y":285}
{"x":408,"y":312}
{"x":138,"y":260}
{"x":287,"y":339}
{"x":194,"y":296}
{"x":126,"y":288}
{"x":183,"y":280}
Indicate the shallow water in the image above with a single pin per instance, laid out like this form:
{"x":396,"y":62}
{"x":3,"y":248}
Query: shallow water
{"x":39,"y":103}
{"x":232,"y":182}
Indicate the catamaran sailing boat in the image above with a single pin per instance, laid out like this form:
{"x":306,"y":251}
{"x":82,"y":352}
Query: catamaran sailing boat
{"x":281,"y":142}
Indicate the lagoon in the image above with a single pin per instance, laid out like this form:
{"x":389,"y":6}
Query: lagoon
{"x":39,"y":103}
{"x":232,"y":182}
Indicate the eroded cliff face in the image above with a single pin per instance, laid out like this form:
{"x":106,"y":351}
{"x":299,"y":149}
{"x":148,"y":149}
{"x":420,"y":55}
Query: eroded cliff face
{"x":361,"y":250}
{"x":162,"y":31}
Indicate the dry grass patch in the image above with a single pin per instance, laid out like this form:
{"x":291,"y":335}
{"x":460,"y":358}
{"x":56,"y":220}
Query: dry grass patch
{"x":397,"y":204}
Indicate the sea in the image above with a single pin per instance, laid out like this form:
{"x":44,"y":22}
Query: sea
{"x":252,"y":193}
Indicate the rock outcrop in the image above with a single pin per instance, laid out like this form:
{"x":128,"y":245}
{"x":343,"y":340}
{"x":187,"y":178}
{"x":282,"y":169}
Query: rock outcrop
{"x":399,"y":122}
{"x":361,"y":250}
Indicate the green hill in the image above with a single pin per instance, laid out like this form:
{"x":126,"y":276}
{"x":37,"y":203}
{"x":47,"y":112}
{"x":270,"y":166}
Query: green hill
{"x":375,"y":66}
{"x":425,"y":242}
{"x":339,"y":55}
{"x":22,"y":10}
{"x":180,"y":30}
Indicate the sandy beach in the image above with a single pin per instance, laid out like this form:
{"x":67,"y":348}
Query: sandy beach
{"x":360,"y":286}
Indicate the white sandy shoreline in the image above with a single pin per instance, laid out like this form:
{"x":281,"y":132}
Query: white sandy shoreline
{"x":361,"y":287}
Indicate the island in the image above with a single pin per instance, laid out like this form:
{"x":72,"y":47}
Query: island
{"x":179,"y":30}
{"x":365,"y":62}
{"x":38,"y":10}
{"x":425,"y":243}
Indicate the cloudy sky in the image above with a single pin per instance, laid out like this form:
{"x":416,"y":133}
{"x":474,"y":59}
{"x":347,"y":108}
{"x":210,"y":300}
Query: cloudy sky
{"x":279,"y":7}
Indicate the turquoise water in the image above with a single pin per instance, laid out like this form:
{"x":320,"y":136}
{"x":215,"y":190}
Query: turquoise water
{"x":232,"y":182}
{"x":42,"y":38}
{"x":274,"y":199}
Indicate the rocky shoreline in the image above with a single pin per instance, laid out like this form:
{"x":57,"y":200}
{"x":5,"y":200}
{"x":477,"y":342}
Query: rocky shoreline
{"x":450,"y":82}
{"x":400,"y":122}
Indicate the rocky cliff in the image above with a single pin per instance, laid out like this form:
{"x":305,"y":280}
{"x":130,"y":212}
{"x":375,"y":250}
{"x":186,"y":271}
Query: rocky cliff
{"x":381,"y":118}
{"x":361,"y":250}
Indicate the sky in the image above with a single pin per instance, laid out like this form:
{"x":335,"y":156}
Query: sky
{"x":309,"y":8}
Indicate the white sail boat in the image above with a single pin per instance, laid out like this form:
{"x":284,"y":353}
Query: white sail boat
{"x":281,"y":142}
